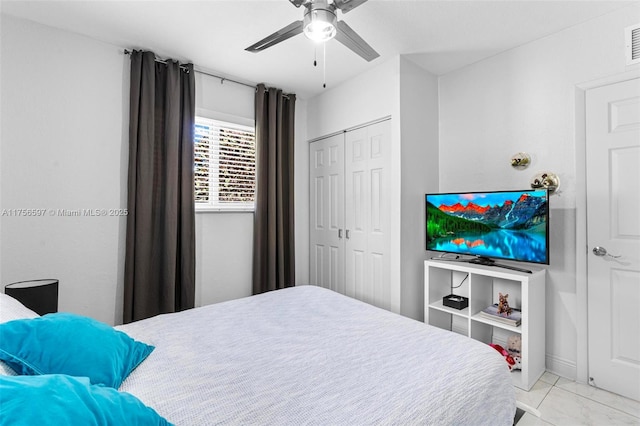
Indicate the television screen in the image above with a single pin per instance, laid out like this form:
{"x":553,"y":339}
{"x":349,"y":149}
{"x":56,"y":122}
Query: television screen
{"x":512,"y":225}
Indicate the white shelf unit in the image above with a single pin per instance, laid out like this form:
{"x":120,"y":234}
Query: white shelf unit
{"x":481,"y":284}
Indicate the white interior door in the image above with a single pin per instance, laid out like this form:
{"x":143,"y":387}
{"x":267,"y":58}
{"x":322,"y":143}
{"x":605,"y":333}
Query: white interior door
{"x":326,"y":165}
{"x":613,"y":235}
{"x":367,"y":216}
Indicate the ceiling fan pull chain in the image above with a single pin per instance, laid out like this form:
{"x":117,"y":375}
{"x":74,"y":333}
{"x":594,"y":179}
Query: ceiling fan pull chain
{"x":315,"y":55}
{"x":324,"y":65}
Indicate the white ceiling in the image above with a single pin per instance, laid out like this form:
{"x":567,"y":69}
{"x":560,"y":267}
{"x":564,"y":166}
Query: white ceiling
{"x":440,"y":36}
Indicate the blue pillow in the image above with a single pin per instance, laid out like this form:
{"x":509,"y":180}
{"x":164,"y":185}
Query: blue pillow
{"x":64,"y":400}
{"x":70,"y":344}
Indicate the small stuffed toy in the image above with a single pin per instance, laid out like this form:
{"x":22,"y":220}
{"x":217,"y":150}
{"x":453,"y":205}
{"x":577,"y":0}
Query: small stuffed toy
{"x":503,"y":305}
{"x":510,"y":361}
{"x":514,"y":347}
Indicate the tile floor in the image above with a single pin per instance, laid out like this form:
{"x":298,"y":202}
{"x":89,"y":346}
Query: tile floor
{"x":562,"y":402}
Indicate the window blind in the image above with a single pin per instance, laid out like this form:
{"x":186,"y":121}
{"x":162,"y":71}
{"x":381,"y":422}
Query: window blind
{"x":224,"y":165}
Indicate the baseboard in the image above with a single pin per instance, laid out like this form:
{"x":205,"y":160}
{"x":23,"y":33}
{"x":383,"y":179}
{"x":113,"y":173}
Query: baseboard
{"x":561,"y":367}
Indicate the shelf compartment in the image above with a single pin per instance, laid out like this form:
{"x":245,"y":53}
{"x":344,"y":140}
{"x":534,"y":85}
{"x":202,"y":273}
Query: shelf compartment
{"x":481,"y":332}
{"x":458,"y":312}
{"x":484,"y":332}
{"x":440,"y":319}
{"x":479,"y":318}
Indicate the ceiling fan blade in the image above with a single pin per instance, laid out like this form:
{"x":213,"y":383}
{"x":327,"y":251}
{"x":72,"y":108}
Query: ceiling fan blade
{"x":287,"y":32}
{"x":353,"y":41}
{"x":346,"y":5}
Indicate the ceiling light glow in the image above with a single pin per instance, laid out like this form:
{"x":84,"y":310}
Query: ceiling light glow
{"x":320,"y":25}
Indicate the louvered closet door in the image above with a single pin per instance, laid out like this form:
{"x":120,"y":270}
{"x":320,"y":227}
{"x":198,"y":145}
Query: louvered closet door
{"x":367,"y":214}
{"x":327,"y":213}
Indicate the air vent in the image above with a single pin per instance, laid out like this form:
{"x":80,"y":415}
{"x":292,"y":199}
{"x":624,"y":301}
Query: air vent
{"x":632,"y":37}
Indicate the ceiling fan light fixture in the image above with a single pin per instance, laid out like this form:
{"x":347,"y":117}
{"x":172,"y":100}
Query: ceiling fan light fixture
{"x":320,"y":25}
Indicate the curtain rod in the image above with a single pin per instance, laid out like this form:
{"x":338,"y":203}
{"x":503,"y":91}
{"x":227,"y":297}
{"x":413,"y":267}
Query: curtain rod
{"x":222,"y":79}
{"x":350,"y":129}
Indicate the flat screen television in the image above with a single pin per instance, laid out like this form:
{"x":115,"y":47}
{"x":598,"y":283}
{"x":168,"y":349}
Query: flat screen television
{"x":510,"y":225}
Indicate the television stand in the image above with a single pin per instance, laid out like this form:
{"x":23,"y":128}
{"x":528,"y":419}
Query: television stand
{"x":481,"y":260}
{"x":482,"y":287}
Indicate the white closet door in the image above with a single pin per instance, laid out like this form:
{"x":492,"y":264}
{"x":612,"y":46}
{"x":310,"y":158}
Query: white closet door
{"x":367,"y":213}
{"x":326,"y":165}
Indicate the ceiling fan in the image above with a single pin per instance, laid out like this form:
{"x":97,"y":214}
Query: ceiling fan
{"x":320,"y":23}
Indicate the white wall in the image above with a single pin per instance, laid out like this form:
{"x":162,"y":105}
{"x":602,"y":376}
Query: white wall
{"x":64,"y":145}
{"x":224,"y":248}
{"x":224,"y":241}
{"x":524,"y":100}
{"x":64,"y":115}
{"x":301,"y":193}
{"x":419,"y":132}
{"x":64,"y":112}
{"x":409,"y":94}
{"x":1,"y":280}
{"x":370,"y":96}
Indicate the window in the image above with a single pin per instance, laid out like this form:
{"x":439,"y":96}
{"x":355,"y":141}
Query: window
{"x":224,"y":165}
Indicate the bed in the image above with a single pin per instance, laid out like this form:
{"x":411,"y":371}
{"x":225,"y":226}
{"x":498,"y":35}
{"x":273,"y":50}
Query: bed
{"x":308,"y":355}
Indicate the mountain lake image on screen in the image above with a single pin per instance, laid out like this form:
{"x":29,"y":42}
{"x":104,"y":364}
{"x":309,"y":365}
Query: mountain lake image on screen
{"x":510,"y":225}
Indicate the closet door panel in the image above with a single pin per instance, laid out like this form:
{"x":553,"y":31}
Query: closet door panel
{"x":367,"y":163}
{"x":356,"y":212}
{"x":326,"y":164}
{"x":350,"y":213}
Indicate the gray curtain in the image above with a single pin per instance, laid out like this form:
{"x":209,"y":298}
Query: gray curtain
{"x":160,"y":243}
{"x":273,"y":232}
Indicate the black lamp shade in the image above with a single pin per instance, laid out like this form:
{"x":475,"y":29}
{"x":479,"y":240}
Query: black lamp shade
{"x":41,"y":296}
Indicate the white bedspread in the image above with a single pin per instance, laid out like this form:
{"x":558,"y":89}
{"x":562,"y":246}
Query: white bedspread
{"x":307,"y":355}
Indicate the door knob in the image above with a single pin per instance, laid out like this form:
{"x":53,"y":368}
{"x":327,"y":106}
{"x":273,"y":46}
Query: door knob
{"x":601,"y":252}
